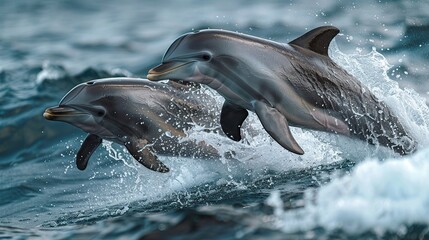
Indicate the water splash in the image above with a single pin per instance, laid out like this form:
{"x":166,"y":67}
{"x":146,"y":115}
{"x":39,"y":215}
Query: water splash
{"x":50,"y":72}
{"x":377,"y":196}
{"x":372,"y":70}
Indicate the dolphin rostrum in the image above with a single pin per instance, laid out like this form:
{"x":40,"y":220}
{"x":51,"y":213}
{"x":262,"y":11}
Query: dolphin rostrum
{"x":294,"y":84}
{"x":148,"y":118}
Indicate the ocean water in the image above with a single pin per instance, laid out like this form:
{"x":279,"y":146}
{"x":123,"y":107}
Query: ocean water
{"x":340,"y":189}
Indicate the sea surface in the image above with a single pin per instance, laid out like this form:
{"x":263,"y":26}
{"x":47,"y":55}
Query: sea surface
{"x":340,"y":189}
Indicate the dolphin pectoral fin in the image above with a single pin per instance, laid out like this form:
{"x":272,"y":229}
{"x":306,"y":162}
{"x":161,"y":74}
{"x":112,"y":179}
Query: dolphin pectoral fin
{"x":231,"y":119}
{"x":88,"y":147}
{"x":317,"y":40}
{"x":277,"y":126}
{"x":144,"y":155}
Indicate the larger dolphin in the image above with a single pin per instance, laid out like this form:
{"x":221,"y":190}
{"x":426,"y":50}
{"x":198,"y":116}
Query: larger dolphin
{"x":148,"y":118}
{"x":294,"y":84}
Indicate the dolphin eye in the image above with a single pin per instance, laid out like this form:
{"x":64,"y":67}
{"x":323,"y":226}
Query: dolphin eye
{"x":206,"y":56}
{"x":100,"y":113}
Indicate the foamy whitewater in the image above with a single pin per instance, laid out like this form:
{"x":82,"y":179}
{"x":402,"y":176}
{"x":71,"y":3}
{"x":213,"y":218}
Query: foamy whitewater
{"x":379,"y":194}
{"x":376,"y":195}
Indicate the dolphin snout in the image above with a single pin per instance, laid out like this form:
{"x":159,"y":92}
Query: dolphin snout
{"x":162,"y":71}
{"x":55,"y":113}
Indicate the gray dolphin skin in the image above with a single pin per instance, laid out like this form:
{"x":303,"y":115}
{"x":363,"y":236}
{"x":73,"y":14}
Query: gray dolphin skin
{"x":294,"y":84}
{"x":148,"y":118}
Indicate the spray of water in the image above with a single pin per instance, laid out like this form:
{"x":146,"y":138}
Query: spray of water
{"x":382,"y":193}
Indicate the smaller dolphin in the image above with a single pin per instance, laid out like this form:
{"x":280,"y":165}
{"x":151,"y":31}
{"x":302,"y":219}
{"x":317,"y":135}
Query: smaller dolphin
{"x":148,"y":118}
{"x":294,"y":84}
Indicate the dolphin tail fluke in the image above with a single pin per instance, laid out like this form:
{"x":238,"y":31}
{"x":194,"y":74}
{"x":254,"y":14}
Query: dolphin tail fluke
{"x":88,"y":147}
{"x":231,"y":119}
{"x":143,"y":154}
{"x":277,"y":126}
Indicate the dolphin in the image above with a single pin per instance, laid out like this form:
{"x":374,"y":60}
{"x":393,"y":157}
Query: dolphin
{"x":148,"y":118}
{"x":294,"y":84}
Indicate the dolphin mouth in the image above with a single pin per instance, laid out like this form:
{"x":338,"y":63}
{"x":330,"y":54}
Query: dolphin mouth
{"x":59,"y":113}
{"x":159,"y":72}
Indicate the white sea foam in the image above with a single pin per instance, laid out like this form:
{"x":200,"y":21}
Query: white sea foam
{"x":376,"y":196}
{"x":50,"y":71}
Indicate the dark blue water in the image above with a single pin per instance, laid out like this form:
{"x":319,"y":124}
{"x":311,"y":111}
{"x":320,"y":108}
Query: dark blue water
{"x":340,"y":189}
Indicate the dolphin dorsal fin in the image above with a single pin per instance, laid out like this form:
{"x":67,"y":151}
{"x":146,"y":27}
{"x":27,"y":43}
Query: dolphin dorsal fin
{"x":317,"y":40}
